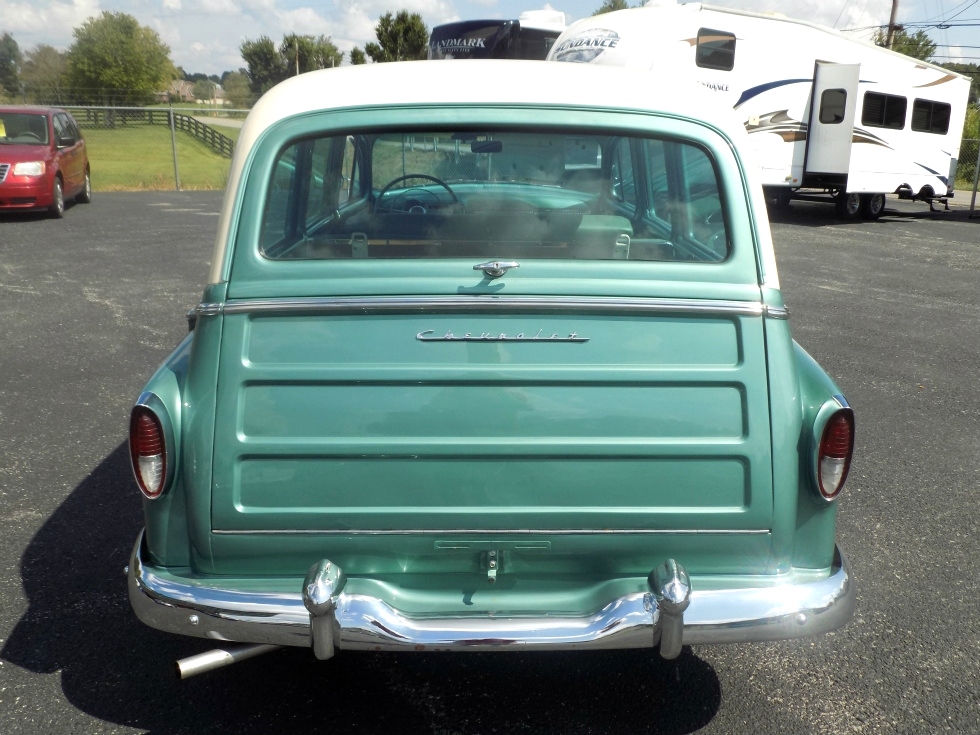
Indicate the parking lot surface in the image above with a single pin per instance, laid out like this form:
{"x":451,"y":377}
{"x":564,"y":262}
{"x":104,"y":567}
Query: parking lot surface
{"x":89,"y":306}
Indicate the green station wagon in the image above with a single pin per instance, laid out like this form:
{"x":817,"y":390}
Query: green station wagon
{"x":492,"y":356}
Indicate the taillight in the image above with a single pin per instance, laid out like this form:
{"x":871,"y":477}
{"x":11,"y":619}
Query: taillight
{"x":148,"y":451}
{"x":834,"y":454}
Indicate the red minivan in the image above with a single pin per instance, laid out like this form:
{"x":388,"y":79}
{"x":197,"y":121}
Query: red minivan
{"x":43,"y":160}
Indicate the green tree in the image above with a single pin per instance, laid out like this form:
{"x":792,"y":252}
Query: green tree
{"x":10,"y":58}
{"x":357,"y":56}
{"x":971,"y":126}
{"x":918,"y":45}
{"x":43,"y":75}
{"x":204,"y":89}
{"x":269,"y":65}
{"x":237,"y":90}
{"x":115,"y":60}
{"x":309,"y":53}
{"x":403,"y":37}
{"x":610,"y":5}
{"x":973,"y":72}
{"x":265,"y":67}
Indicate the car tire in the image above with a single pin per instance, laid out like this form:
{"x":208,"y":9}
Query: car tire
{"x":872,"y":205}
{"x":848,"y":205}
{"x":57,"y":208}
{"x":778,"y":197}
{"x":85,"y":195}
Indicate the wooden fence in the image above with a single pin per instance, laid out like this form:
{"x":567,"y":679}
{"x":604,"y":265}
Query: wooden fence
{"x":117,"y":117}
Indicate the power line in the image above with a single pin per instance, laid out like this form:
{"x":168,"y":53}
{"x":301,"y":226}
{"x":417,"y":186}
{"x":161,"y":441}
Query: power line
{"x":918,"y":24}
{"x":968,"y":3}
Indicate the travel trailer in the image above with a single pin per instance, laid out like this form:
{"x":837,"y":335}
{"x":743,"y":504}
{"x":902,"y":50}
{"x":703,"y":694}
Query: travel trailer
{"x":528,"y":37}
{"x":884,"y":123}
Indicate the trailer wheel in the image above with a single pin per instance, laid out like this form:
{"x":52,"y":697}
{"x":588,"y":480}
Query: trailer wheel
{"x":848,"y":205}
{"x":872,"y":205}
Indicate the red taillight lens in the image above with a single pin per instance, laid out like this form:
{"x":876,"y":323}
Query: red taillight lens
{"x":834,"y":457}
{"x":147,"y":449}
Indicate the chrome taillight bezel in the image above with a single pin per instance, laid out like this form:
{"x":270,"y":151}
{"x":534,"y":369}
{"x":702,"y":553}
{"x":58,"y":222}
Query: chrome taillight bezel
{"x":831,"y":416}
{"x":144,"y":413}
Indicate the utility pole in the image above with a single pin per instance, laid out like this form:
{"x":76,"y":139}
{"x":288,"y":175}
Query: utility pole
{"x":891,"y":24}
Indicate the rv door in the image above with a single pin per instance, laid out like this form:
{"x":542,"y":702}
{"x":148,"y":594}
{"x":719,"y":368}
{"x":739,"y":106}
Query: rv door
{"x":831,"y":124}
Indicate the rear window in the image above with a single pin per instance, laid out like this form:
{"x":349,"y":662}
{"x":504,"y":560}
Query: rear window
{"x":497,"y":194}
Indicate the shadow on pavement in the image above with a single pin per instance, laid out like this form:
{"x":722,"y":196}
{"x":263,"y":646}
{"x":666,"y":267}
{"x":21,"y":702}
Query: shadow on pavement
{"x":79,"y":623}
{"x":821,"y":213}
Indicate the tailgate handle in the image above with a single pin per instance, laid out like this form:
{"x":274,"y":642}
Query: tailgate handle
{"x":496,"y":268}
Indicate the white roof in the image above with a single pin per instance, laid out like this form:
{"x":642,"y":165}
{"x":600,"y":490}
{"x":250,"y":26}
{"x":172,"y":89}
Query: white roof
{"x":479,"y":81}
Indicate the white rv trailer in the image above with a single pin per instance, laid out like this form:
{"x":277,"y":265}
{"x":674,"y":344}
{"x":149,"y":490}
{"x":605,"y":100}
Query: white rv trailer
{"x":884,"y":123}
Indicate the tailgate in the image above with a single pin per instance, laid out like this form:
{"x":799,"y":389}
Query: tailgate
{"x":624,"y":428}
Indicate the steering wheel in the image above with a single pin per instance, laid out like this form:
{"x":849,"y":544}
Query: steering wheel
{"x":391,"y":184}
{"x":28,"y":134}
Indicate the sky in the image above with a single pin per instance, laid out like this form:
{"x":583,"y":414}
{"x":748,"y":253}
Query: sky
{"x":205,"y":35}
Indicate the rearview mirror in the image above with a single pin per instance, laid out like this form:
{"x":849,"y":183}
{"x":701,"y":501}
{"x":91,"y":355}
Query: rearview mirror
{"x":486,"y":146}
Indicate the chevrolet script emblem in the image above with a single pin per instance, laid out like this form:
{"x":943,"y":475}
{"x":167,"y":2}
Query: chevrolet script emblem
{"x":430,"y":335}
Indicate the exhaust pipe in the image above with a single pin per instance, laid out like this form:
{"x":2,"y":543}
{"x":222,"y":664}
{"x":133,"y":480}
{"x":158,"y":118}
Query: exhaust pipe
{"x":210,"y":660}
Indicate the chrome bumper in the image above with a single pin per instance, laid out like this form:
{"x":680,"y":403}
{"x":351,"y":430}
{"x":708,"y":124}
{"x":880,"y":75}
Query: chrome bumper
{"x":323,"y":616}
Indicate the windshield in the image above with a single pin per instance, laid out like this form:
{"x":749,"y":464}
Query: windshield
{"x":495,"y":194}
{"x":21,"y":128}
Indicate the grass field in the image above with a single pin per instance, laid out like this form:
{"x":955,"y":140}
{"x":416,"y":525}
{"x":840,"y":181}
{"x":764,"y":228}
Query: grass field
{"x":140,"y":157}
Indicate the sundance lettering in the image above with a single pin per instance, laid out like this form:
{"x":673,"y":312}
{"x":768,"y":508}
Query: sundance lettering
{"x":597,"y":42}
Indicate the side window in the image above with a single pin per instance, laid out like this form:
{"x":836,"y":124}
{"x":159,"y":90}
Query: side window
{"x":72,"y":127}
{"x":833,"y":102}
{"x":622,"y":178}
{"x":278,"y":223}
{"x":321,"y":197}
{"x":61,"y":129}
{"x":930,"y":117}
{"x":686,"y":199}
{"x":716,"y":50}
{"x":350,"y":172}
{"x":884,"y":110}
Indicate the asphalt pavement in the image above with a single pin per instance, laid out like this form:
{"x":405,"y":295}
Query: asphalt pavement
{"x":90,"y":305}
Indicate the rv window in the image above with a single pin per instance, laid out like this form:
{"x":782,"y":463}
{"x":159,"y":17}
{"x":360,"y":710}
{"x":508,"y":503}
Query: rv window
{"x":716,"y":50}
{"x":930,"y":117}
{"x":832,"y":104}
{"x":884,"y":110}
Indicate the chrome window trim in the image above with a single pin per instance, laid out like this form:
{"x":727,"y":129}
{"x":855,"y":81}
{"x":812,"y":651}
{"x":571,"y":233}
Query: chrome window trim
{"x":394,"y":304}
{"x":493,"y":532}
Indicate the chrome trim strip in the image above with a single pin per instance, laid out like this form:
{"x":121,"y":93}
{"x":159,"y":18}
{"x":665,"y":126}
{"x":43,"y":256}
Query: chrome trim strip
{"x":389,"y":304}
{"x":203,"y":609}
{"x":494,"y":532}
{"x":777,"y":312}
{"x":214,"y":309}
